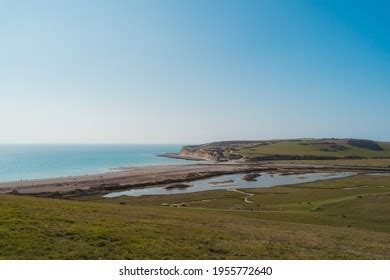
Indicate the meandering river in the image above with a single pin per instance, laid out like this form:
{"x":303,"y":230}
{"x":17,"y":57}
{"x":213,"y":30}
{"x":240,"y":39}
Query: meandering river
{"x":235,"y":181}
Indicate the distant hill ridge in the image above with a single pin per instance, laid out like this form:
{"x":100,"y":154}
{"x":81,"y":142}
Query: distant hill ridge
{"x":289,"y":149}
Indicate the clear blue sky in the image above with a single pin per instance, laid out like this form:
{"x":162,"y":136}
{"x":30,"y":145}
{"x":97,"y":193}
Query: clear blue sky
{"x":193,"y":71}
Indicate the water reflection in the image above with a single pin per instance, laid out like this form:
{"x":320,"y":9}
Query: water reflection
{"x":232,"y":181}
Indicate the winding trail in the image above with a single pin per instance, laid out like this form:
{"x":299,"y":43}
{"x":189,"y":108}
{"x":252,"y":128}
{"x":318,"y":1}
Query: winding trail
{"x":180,"y":204}
{"x":247,"y":195}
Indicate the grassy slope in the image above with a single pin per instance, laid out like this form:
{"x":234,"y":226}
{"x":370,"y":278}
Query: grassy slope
{"x":301,"y":221}
{"x":310,"y":147}
{"x":370,"y":162}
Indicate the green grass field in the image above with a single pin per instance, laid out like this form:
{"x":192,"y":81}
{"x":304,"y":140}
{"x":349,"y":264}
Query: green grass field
{"x":292,"y":149}
{"x":346,"y":218}
{"x":318,"y":147}
{"x":369,"y":162}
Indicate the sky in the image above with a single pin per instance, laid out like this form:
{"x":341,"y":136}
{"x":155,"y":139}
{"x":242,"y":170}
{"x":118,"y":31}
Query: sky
{"x":190,"y":72}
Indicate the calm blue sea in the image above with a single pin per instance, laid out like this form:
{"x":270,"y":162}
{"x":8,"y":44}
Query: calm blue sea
{"x":44,"y":161}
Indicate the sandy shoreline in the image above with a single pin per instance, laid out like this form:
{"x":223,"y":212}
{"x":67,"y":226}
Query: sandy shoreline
{"x":122,"y":178}
{"x":144,"y":176}
{"x":190,"y":158}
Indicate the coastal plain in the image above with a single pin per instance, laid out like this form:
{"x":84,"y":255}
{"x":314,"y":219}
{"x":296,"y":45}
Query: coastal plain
{"x":335,"y":219}
{"x":344,"y":218}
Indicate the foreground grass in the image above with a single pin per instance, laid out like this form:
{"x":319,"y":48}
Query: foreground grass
{"x":336,"y":219}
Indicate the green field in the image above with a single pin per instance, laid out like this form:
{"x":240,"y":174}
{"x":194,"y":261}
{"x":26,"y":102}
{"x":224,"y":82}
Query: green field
{"x":346,"y":218}
{"x":337,"y":148}
{"x":300,"y":148}
{"x":369,"y":162}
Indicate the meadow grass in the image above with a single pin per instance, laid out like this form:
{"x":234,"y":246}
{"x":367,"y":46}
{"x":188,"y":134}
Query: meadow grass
{"x":367,"y":162}
{"x":314,"y":147}
{"x":335,"y":219}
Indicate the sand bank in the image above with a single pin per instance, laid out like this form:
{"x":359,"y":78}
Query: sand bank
{"x":135,"y":177}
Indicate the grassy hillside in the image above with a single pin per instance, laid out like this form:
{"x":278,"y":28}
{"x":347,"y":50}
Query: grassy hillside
{"x":369,"y":162}
{"x":336,"y":219}
{"x":326,"y":147}
{"x":299,"y":148}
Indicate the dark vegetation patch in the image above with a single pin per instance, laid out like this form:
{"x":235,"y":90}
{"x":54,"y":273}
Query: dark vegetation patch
{"x":177,"y":186}
{"x":261,"y":144}
{"x":365,"y":144}
{"x":250,"y":177}
{"x":299,"y":157}
{"x":233,"y":156}
{"x":334,"y":148}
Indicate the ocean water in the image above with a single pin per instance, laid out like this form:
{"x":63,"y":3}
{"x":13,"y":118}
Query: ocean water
{"x":19,"y":162}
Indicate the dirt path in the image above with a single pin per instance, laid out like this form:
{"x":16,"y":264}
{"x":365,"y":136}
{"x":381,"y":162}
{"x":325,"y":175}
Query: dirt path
{"x":184,"y":203}
{"x":246,"y":197}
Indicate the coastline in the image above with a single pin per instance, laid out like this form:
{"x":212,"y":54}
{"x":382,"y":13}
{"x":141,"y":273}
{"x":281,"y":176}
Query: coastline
{"x":178,"y":156}
{"x":123,"y":178}
{"x":29,"y":161}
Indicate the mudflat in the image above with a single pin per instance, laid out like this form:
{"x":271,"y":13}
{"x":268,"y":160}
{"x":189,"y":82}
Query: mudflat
{"x":136,"y":177}
{"x":124,"y":177}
